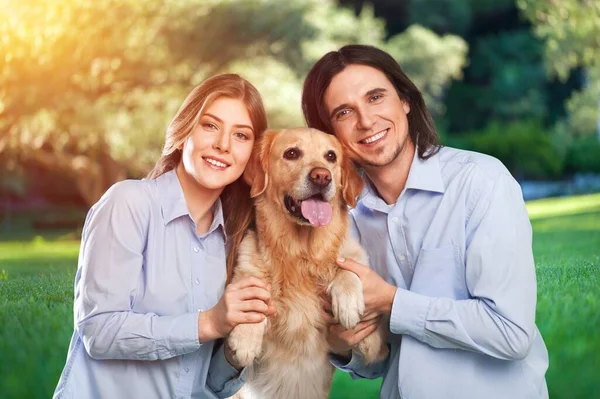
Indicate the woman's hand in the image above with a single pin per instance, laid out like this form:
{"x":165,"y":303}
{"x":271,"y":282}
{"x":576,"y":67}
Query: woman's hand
{"x":246,"y":301}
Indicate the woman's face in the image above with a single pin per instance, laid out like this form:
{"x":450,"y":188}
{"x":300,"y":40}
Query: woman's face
{"x":215,"y":154}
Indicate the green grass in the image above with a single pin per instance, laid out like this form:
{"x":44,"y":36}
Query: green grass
{"x":36,"y":294}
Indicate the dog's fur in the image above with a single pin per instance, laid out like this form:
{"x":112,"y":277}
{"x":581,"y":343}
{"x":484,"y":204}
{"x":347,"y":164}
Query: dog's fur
{"x":287,"y":353}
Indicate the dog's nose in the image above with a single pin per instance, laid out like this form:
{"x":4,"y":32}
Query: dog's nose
{"x":320,"y":177}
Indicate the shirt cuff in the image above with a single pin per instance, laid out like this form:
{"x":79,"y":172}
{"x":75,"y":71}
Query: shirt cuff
{"x":355,"y":366}
{"x":180,"y":332}
{"x":409,"y":313}
{"x":344,"y":363}
{"x":224,"y":379}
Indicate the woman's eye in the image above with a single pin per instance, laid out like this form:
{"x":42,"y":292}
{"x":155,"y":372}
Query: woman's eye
{"x":241,"y":136}
{"x":210,"y":126}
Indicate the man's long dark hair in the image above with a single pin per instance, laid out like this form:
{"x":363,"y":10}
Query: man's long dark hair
{"x":420,"y":125}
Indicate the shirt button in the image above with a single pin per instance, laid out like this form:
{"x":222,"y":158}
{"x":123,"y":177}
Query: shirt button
{"x":187,"y":369}
{"x":196,"y":249}
{"x":200,"y":310}
{"x":395,"y":219}
{"x":198,"y":281}
{"x":402,"y":257}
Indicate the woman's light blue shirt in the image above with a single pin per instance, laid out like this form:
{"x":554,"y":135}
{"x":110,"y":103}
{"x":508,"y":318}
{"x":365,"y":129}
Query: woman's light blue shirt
{"x":458,"y":245}
{"x":143,"y":277}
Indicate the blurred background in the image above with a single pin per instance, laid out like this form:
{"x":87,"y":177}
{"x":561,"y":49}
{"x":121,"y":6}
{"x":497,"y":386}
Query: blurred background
{"x":88,"y":87}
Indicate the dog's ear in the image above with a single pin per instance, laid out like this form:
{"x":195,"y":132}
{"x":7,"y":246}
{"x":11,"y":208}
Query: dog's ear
{"x":255,"y":174}
{"x":352,"y":183}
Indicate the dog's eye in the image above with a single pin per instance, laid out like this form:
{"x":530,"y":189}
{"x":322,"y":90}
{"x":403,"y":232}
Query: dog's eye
{"x":292,"y":153}
{"x":331,"y":157}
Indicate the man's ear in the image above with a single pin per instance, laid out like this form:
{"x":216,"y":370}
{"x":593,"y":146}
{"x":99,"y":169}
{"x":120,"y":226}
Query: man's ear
{"x":256,"y":173}
{"x":352,"y":183}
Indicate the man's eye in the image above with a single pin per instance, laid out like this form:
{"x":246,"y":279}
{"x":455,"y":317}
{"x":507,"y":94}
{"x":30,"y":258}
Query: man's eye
{"x":342,"y":114}
{"x":375,"y":97}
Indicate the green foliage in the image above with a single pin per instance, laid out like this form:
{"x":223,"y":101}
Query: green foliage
{"x":442,"y":16}
{"x":523,"y":147}
{"x":583,"y":156}
{"x":571,"y":29}
{"x":490,"y":7}
{"x":584,"y":107}
{"x":84,"y":80}
{"x":506,"y":81}
{"x":419,"y":51}
{"x":37,"y":319}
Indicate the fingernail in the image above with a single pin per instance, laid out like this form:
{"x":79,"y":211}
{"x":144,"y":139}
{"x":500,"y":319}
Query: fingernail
{"x":341,"y":260}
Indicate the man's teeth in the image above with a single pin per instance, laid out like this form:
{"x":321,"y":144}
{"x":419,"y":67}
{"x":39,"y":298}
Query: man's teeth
{"x":374,"y":138}
{"x":215,"y":162}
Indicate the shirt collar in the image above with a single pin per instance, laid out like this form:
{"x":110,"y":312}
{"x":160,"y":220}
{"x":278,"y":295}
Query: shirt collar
{"x":424,"y":175}
{"x":173,"y":203}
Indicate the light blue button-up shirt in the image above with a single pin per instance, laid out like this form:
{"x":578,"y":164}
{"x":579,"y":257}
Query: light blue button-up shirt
{"x":457,"y":244}
{"x":143,"y":277}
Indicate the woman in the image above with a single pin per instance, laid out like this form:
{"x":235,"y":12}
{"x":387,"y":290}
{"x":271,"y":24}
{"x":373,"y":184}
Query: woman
{"x":150,"y":296}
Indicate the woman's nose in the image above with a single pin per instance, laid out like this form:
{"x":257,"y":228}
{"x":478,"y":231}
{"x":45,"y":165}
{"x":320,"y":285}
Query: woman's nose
{"x":222,"y":142}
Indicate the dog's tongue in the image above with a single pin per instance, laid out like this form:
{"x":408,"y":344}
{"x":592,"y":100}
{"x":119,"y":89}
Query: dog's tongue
{"x":317,"y":212}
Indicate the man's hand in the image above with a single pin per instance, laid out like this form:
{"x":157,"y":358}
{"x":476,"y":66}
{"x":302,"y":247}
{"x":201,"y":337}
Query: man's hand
{"x":341,"y":341}
{"x":378,"y":294}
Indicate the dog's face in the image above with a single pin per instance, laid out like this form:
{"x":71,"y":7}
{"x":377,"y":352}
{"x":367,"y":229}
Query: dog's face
{"x":305,"y":172}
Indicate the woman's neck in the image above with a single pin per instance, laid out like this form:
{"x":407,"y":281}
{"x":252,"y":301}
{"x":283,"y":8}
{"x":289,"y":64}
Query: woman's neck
{"x":198,"y":199}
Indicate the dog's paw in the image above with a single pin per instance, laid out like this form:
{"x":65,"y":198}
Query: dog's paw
{"x":245,"y":342}
{"x":347,"y":301}
{"x":374,"y":347}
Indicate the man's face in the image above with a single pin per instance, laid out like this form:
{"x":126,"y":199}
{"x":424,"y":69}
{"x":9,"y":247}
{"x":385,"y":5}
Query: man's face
{"x":367,"y":115}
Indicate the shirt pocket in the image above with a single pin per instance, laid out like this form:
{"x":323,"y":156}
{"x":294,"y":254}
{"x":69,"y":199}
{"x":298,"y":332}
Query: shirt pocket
{"x":439,"y":273}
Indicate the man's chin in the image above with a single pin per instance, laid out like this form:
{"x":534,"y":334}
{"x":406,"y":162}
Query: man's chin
{"x":381,"y":160}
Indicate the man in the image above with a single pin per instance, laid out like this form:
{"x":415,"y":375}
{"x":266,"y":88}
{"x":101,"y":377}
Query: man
{"x":448,"y":238}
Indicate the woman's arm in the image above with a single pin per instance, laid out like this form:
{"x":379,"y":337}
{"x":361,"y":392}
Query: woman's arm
{"x":110,"y":265}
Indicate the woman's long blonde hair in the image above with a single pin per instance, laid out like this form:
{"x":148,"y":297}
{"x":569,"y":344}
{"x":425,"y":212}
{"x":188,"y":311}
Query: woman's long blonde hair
{"x":237,"y":194}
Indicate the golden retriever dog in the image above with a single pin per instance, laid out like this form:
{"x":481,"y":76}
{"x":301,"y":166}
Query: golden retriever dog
{"x":302,"y":184}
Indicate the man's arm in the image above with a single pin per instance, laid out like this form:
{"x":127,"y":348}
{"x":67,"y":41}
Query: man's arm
{"x":499,"y":320}
{"x":356,"y":367}
{"x":224,"y":378}
{"x":343,"y":341}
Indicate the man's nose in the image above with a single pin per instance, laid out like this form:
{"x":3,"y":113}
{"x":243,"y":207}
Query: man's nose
{"x":320,"y":177}
{"x":365,"y":120}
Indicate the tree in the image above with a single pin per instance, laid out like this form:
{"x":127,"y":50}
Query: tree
{"x":507,"y":81}
{"x":571,"y":30}
{"x":87,"y":87}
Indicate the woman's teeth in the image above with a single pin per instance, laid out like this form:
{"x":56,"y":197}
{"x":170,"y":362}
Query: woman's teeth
{"x":215,"y":163}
